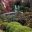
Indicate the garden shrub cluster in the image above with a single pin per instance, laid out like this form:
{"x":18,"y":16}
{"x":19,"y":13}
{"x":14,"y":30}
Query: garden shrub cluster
{"x":17,"y":27}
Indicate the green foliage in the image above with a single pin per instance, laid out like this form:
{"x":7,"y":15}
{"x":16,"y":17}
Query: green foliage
{"x":22,"y":8}
{"x":3,"y":23}
{"x":16,"y":27}
{"x":1,"y":8}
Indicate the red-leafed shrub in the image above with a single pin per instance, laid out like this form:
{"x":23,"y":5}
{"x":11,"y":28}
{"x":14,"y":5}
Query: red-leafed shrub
{"x":7,"y":5}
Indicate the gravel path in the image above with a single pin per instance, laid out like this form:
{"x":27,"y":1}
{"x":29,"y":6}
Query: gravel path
{"x":1,"y":31}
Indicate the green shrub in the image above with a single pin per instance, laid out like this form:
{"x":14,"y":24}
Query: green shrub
{"x":16,"y":27}
{"x":5,"y":23}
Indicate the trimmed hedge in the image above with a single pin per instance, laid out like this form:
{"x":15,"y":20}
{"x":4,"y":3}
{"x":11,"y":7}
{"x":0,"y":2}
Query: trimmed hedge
{"x":17,"y":27}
